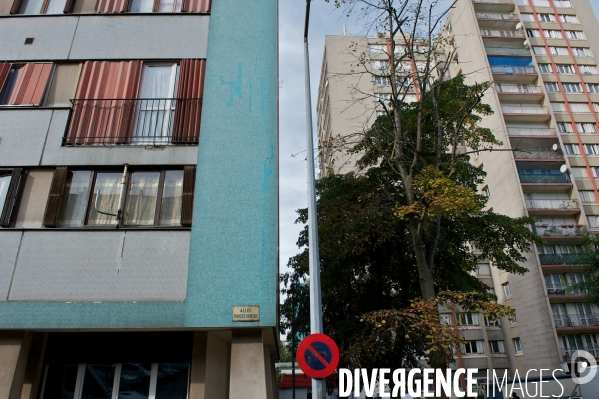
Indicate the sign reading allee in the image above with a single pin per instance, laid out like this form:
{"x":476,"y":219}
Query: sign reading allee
{"x":246,"y":313}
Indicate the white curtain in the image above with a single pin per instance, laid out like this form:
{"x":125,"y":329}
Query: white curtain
{"x":170,"y":210}
{"x":142,"y":196}
{"x":106,"y":197}
{"x":56,"y":7}
{"x":74,"y":204}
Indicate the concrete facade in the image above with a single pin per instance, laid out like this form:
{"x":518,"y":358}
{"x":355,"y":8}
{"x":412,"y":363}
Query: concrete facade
{"x":152,"y":278}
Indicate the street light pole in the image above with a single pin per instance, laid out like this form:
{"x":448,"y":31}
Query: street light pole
{"x":314,"y":258}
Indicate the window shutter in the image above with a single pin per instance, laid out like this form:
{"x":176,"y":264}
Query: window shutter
{"x":186,"y":124}
{"x":112,"y":6}
{"x":4,"y":71}
{"x":31,"y":85}
{"x":12,"y":195}
{"x":52,"y":212}
{"x":15,"y":6}
{"x":196,"y":6}
{"x":105,"y":103}
{"x":68,"y":7}
{"x":189,"y":181}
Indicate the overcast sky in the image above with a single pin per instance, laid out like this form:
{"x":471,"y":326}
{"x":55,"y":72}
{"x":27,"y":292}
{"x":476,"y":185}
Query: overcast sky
{"x":324,"y":20}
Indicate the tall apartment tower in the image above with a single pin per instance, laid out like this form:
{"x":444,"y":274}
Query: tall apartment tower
{"x":138,"y":199}
{"x":540,"y":56}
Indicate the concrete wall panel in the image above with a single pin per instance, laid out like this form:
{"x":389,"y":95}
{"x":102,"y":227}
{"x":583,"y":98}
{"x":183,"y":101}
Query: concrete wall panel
{"x":22,"y":135}
{"x":141,"y":37}
{"x":52,"y":38}
{"x":56,"y":154}
{"x":102,"y":266}
{"x":8,"y":256}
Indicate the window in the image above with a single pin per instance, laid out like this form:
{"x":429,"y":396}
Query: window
{"x":93,"y":198}
{"x":539,"y":50}
{"x":467,"y":319}
{"x":496,"y":347}
{"x":562,"y":3}
{"x":490,"y":322}
{"x":587,"y":196}
{"x":513,"y":320}
{"x":559,"y":51}
{"x":473,"y":347}
{"x":486,"y":192}
{"x":153,"y":104}
{"x":581,"y":52}
{"x":551,"y":87}
{"x":109,"y":6}
{"x":545,"y":18}
{"x":596,"y":107}
{"x":382,"y":80}
{"x":579,"y":173}
{"x":558,"y":107}
{"x":529,"y":17}
{"x":541,"y":3}
{"x":40,"y":6}
{"x":588,"y":69}
{"x":518,"y":345}
{"x":565,"y":127}
{"x":591,"y":149}
{"x":568,"y":19}
{"x":593,"y":221}
{"x":545,"y":68}
{"x":382,"y":97}
{"x":533,"y":33}
{"x":506,"y":290}
{"x":572,"y":87}
{"x":586,"y":128}
{"x":565,"y":69}
{"x":377,"y":48}
{"x":380,"y":64}
{"x":593,"y":88}
{"x":575,"y":35}
{"x":10,"y":188}
{"x":23,"y":84}
{"x":446,"y":318}
{"x":579,"y":107}
{"x":553,"y":34}
{"x":483,"y":269}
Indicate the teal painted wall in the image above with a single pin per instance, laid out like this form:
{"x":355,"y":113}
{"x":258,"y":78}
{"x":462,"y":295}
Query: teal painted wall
{"x":233,"y":256}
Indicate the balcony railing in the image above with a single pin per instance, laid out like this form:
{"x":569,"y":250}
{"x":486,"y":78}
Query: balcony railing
{"x":569,"y":352}
{"x":544,"y":179}
{"x":523,"y":131}
{"x":552,"y":204}
{"x":501,"y":33}
{"x":559,"y":259}
{"x":497,"y":16}
{"x":143,"y":121}
{"x":508,"y":69}
{"x":493,"y":1}
{"x":507,"y":50}
{"x":576,"y":320}
{"x":514,"y":88}
{"x":564,"y":230}
{"x":564,"y":289}
{"x":523,"y":109}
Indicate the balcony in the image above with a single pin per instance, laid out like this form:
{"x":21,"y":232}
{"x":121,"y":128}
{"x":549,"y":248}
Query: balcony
{"x":552,"y":204}
{"x":562,"y":231}
{"x":523,"y":109}
{"x":544,"y":179}
{"x":516,"y":88}
{"x":139,"y":121}
{"x":567,"y":353}
{"x":538,"y":154}
{"x":559,"y":259}
{"x":521,"y":131}
{"x":497,"y":16}
{"x":564,"y":289}
{"x":501,"y":33}
{"x":507,"y":51}
{"x":511,"y":70}
{"x":576,"y":320}
{"x":494,"y":5}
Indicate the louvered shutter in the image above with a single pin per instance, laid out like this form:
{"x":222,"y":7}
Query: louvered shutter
{"x":105,"y":103}
{"x":196,"y":5}
{"x":4,"y":71}
{"x":186,"y":124}
{"x":53,"y":206}
{"x":31,"y":84}
{"x":12,"y":195}
{"x":189,"y":181}
{"x":68,"y":7}
{"x":112,"y":6}
{"x":15,"y":7}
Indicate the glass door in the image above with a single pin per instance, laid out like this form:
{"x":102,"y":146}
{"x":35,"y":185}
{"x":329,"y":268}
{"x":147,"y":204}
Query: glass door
{"x":155,"y":104}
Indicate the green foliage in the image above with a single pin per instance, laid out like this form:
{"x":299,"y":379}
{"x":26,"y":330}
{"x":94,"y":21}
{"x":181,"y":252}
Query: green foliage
{"x":590,"y":257}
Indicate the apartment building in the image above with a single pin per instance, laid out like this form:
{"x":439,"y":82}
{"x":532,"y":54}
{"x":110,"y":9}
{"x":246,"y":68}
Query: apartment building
{"x":138,"y":199}
{"x":540,"y":54}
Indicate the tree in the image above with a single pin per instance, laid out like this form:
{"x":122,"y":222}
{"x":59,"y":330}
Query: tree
{"x":590,"y":257}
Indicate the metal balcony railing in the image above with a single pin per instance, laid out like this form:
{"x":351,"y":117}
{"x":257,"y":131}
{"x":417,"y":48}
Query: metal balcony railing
{"x":544,"y":179}
{"x":497,"y":16}
{"x":559,"y":259}
{"x":564,"y":230}
{"x":568,"y":352}
{"x":516,"y":88}
{"x":508,"y":69}
{"x":564,"y":289}
{"x":143,"y":121}
{"x":522,"y":131}
{"x":507,"y":50}
{"x":552,"y":204}
{"x":576,"y":320}
{"x":523,"y":109}
{"x":533,"y":153}
{"x":501,"y":33}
